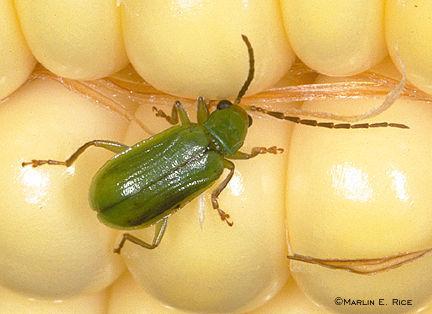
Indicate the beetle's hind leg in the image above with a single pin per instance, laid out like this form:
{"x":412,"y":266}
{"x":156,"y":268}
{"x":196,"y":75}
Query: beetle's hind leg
{"x":178,"y":111}
{"x":109,"y":145}
{"x":160,"y":228}
{"x":214,"y":196}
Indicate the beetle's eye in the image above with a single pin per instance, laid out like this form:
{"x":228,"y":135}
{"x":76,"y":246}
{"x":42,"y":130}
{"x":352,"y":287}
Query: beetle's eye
{"x":250,"y":120}
{"x":223,"y":104}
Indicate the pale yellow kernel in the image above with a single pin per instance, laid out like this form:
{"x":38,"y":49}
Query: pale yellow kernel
{"x":78,"y":39}
{"x":202,"y":264}
{"x":128,"y":297}
{"x":338,"y":37}
{"x":16,"y":61}
{"x":12,"y":303}
{"x":52,"y":245}
{"x":195,"y":48}
{"x":362,"y":194}
{"x":409,"y":39}
{"x":290,"y":301}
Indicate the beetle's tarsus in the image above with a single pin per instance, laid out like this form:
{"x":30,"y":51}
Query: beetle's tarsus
{"x":178,"y":113}
{"x":160,"y":113}
{"x":171,"y":119}
{"x":222,"y":214}
{"x":271,"y":150}
{"x":36,"y":163}
{"x":224,"y":217}
{"x":28,"y":163}
{"x":255,"y":152}
{"x":214,"y":196}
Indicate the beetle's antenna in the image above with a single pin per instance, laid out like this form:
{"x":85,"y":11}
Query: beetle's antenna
{"x":328,"y":125}
{"x":251,"y":70}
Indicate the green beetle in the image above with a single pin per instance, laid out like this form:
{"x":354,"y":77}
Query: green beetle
{"x":144,"y":184}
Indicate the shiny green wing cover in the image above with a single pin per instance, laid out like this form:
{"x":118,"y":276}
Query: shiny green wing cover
{"x":153,"y":178}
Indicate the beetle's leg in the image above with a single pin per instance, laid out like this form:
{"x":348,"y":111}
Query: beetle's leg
{"x":329,"y":125}
{"x":160,"y":228}
{"x":176,"y":112}
{"x":202,"y":111}
{"x":109,"y":145}
{"x":256,"y":151}
{"x":214,"y":196}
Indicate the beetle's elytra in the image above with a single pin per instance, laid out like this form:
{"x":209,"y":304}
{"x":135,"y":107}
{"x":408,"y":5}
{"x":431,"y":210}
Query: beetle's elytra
{"x":138,"y":188}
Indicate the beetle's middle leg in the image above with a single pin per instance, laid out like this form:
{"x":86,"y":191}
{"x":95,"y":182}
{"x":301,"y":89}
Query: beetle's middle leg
{"x":160,"y":228}
{"x":109,"y":145}
{"x":178,"y":111}
{"x":214,"y":196}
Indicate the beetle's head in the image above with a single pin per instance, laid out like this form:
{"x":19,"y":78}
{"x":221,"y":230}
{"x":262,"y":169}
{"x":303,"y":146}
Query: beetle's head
{"x":228,"y":126}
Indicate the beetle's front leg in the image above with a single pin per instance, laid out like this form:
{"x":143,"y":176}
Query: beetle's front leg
{"x":214,"y":196}
{"x":255,"y":152}
{"x":160,"y":228}
{"x":176,"y":112}
{"x":109,"y":145}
